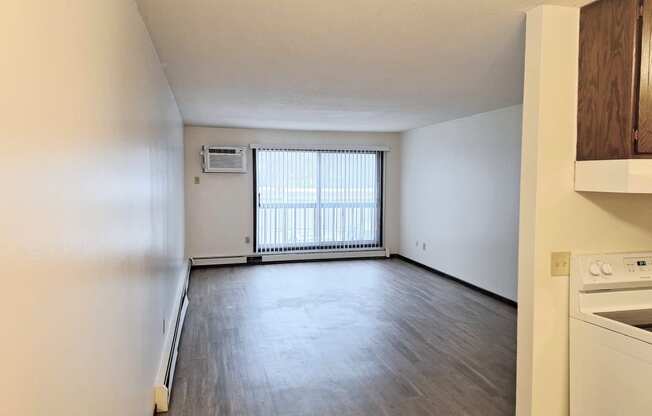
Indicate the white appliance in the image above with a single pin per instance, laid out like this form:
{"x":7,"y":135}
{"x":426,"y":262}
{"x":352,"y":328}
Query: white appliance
{"x":610,"y":335}
{"x":224,"y":159}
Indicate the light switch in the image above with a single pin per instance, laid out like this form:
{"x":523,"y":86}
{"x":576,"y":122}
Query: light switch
{"x":196,"y":180}
{"x":560,"y":263}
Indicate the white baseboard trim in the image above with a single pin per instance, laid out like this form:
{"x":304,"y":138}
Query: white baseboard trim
{"x":174,"y":327}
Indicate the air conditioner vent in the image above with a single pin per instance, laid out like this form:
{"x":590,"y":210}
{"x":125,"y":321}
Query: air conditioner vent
{"x":224,"y":159}
{"x":222,"y":151}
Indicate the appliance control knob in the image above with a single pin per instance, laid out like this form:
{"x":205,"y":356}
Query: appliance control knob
{"x":594,"y":269}
{"x":607,"y":269}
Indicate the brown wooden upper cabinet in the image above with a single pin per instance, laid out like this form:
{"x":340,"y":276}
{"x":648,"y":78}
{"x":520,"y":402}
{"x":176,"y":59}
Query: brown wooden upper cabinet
{"x":615,"y":81}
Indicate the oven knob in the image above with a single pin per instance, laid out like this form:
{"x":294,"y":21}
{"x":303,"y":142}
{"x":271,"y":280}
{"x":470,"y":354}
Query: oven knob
{"x":607,"y":269}
{"x":594,"y":269}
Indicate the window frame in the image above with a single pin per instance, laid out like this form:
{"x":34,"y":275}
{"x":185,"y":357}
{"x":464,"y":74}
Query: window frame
{"x":380,"y":166}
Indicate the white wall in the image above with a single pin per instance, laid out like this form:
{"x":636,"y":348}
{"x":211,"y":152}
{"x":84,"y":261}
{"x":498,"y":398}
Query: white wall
{"x":554,"y":217}
{"x":219,"y":210}
{"x":91,"y":219}
{"x":459,"y":196}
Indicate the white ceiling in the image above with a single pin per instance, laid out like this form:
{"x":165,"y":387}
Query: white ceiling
{"x":352,"y":65}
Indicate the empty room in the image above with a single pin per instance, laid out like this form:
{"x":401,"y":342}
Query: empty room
{"x":326,"y":208}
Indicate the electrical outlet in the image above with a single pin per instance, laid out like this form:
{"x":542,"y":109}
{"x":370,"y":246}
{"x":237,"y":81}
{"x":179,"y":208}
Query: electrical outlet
{"x":197,"y":180}
{"x":423,"y":246}
{"x":417,"y":243}
{"x":560,"y":264}
{"x":247,"y":240}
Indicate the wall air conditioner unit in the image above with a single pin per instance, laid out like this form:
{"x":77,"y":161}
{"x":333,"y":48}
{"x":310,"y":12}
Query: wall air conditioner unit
{"x":224,"y":159}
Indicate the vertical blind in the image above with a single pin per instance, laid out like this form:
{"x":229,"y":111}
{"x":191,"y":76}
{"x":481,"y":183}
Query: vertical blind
{"x":317,"y":199}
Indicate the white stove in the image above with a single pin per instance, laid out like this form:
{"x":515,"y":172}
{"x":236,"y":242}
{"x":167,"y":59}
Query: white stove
{"x":611,"y":335}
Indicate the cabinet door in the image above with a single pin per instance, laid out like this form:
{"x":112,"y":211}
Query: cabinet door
{"x":607,"y":80}
{"x":644,"y":142}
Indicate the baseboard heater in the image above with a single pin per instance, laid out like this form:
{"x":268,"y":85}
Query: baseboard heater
{"x":165,"y":379}
{"x":288,"y":257}
{"x":218,"y":260}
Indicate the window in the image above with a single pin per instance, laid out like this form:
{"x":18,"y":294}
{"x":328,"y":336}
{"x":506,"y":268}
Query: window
{"x":317,"y":200}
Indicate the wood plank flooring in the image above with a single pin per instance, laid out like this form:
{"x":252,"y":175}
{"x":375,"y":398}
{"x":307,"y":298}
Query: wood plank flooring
{"x":350,"y":338}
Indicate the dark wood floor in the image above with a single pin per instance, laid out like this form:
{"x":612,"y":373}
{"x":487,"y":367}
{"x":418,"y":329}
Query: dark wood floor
{"x":351,"y":338}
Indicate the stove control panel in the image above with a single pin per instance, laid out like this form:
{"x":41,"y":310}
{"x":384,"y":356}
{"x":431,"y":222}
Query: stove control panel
{"x":613,"y":271}
{"x":638,"y":264}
